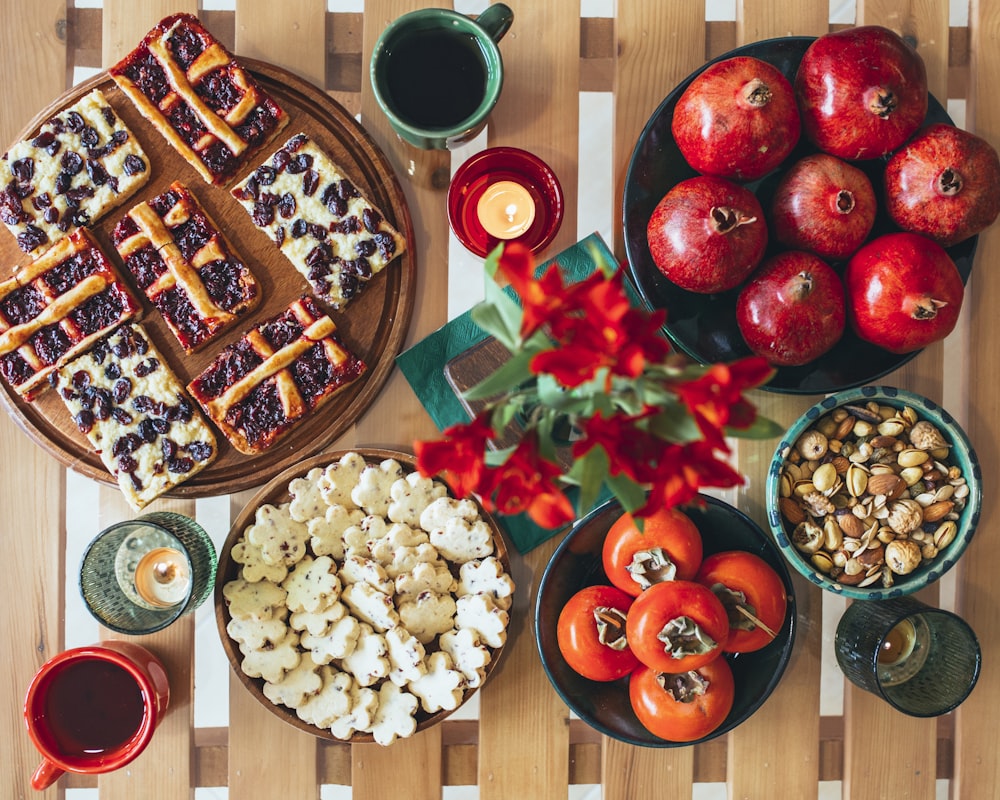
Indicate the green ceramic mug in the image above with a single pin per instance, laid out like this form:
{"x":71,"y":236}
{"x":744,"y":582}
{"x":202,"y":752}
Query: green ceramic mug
{"x":437,"y":74}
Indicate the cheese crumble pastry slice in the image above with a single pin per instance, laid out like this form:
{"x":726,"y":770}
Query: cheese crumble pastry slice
{"x":56,"y":307}
{"x":184,"y":264}
{"x":333,"y":235}
{"x":134,"y":412}
{"x":199,"y":97}
{"x":82,"y":163}
{"x":282,"y":370}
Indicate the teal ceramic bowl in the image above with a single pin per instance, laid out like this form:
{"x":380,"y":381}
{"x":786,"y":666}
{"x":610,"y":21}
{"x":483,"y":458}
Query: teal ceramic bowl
{"x":965,"y":513}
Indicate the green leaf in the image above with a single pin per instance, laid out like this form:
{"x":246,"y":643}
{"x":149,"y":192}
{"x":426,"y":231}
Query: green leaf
{"x":511,"y":373}
{"x":630,"y":494}
{"x":762,"y":428}
{"x":674,"y":424}
{"x":588,"y":473}
{"x":500,"y":322}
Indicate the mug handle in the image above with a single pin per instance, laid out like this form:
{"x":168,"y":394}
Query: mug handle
{"x":496,"y":20}
{"x":46,"y":774}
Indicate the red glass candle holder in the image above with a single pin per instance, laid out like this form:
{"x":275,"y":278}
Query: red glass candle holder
{"x":492,"y":166}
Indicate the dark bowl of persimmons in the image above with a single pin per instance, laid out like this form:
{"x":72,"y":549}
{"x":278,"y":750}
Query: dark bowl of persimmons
{"x":670,"y":635}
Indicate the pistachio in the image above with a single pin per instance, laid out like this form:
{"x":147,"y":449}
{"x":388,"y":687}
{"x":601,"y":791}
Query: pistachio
{"x":912,"y":457}
{"x":825,"y":478}
{"x":945,"y":534}
{"x":856,"y":480}
{"x":833,"y":536}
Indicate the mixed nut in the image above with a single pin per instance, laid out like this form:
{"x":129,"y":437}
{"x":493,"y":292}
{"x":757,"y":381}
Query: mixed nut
{"x":868,"y":493}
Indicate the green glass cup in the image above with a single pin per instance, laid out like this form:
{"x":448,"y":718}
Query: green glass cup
{"x":437,"y":74}
{"x":923,"y":661}
{"x":138,"y":576}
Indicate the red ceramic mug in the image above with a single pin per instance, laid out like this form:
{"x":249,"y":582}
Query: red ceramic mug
{"x":94,"y":709}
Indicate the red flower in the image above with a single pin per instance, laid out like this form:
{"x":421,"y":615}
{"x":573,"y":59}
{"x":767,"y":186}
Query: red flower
{"x":526,"y":482}
{"x":600,"y":329}
{"x":686,"y":469}
{"x":459,"y":456}
{"x":630,"y":449}
{"x":716,"y":400}
{"x":541,"y":299}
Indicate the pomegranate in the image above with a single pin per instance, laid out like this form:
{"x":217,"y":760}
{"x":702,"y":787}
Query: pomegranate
{"x":944,"y":183}
{"x":823,"y":205}
{"x":903,"y":292}
{"x":862,"y":92}
{"x":792,"y":309}
{"x":707,"y":234}
{"x":737,"y":119}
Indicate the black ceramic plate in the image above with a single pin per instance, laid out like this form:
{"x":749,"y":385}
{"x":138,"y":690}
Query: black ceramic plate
{"x":704,"y":326}
{"x":577,"y":563}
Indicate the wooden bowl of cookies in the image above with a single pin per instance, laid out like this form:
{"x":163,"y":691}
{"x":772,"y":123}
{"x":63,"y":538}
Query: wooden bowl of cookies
{"x":360,"y":601}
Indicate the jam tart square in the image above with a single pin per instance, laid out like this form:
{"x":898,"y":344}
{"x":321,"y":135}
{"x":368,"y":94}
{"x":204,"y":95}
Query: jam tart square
{"x":331,"y":233}
{"x":279,"y":372}
{"x":56,"y":307}
{"x":203,"y":101}
{"x":134,"y":411}
{"x":187,"y":268}
{"x":82,"y":162}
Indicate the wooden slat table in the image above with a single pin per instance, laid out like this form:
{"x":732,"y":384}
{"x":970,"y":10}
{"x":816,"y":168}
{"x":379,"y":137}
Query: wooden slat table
{"x":815,"y":737}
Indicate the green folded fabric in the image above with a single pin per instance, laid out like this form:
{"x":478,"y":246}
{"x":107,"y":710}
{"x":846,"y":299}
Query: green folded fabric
{"x":423,"y":366}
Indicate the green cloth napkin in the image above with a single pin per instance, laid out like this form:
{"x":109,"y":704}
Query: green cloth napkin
{"x":423,"y":366}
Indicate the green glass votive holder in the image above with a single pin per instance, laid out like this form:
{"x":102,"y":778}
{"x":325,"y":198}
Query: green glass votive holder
{"x":923,"y":661}
{"x":140,"y":575}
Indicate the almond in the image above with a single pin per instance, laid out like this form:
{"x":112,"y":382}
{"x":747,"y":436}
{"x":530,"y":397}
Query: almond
{"x":791,"y":511}
{"x":887,"y":483}
{"x":851,"y":525}
{"x":938,"y":510}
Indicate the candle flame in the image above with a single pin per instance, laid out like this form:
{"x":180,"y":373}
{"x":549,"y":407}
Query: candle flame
{"x":511,"y":212}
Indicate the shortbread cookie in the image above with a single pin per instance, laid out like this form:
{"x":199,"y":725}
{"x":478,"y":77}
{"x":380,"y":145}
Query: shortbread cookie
{"x":273,"y":663}
{"x":282,"y":370}
{"x":136,"y":415}
{"x":199,"y":97}
{"x":331,"y":233}
{"x":184,"y":264}
{"x":395,"y":628}
{"x":394,"y":716}
{"x":56,"y":308}
{"x":82,"y":163}
{"x":301,"y":681}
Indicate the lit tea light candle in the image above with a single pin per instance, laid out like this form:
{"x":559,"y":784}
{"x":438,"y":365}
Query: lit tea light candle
{"x":506,"y":210}
{"x":163,"y":577}
{"x":898,"y":644}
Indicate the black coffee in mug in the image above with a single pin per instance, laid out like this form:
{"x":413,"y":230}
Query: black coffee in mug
{"x":435,"y":78}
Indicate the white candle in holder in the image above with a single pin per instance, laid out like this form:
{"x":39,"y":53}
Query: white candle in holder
{"x":162,"y":577}
{"x":506,"y":210}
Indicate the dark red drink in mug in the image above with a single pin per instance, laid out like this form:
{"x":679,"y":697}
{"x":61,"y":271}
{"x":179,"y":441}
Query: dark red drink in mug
{"x":94,"y":709}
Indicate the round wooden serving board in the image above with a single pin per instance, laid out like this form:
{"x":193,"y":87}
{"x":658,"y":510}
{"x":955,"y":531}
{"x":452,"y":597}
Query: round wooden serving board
{"x":373,"y":325}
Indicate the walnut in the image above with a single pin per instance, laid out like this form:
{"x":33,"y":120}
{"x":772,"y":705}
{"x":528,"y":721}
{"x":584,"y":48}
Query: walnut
{"x":818,"y":504}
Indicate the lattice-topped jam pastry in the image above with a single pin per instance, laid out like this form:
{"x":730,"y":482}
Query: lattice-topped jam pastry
{"x":56,"y":307}
{"x":184,"y":264}
{"x":326,"y":227}
{"x":80,"y":164}
{"x":135,"y":413}
{"x":277,"y":374}
{"x":203,"y":101}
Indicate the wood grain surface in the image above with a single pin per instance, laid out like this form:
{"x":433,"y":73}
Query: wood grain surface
{"x":815,"y":730}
